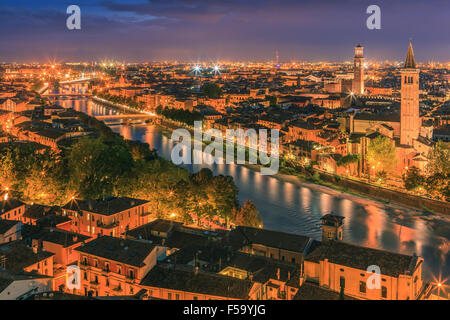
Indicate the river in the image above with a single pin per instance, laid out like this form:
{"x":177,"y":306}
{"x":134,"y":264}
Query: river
{"x":297,"y":208}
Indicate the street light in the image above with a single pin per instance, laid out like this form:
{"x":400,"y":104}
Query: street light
{"x":216,"y":69}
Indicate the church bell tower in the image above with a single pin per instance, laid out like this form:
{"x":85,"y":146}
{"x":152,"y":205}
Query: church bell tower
{"x":358,"y":65}
{"x":409,"y":117}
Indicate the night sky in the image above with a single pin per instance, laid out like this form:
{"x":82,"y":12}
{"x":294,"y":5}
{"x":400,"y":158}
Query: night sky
{"x":211,"y":30}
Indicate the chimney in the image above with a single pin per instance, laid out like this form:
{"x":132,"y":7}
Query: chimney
{"x":196,"y":270}
{"x":36,"y":245}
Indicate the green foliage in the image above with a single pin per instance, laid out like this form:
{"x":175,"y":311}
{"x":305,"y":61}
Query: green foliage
{"x":110,"y":165}
{"x":180,"y":115}
{"x":350,"y":158}
{"x":439,"y":159}
{"x":248,"y":215}
{"x":439,"y":186}
{"x":212,"y":90}
{"x":381,"y":176}
{"x":412,"y":179}
{"x":381,"y":154}
{"x":97,"y":165}
{"x":128,"y":101}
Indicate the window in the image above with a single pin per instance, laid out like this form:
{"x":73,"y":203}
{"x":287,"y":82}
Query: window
{"x":384,"y":292}
{"x":195,"y":298}
{"x":169,"y":296}
{"x":362,"y":286}
{"x":293,"y":260}
{"x":342,"y":282}
{"x":131,"y":274}
{"x":177,"y":296}
{"x":119,"y":270}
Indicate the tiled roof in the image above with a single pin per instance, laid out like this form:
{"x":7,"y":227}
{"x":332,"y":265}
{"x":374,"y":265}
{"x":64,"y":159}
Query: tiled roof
{"x":9,"y":205}
{"x":185,"y":279}
{"x":388,"y":117}
{"x":126,"y":251}
{"x":350,"y":255}
{"x":59,"y":236}
{"x":242,"y":236}
{"x":311,"y":291}
{"x":263,"y":269}
{"x":6,"y":225}
{"x":107,"y":206}
{"x":19,"y":255}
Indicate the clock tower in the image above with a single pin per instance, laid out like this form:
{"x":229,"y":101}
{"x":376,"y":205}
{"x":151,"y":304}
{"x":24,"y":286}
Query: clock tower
{"x":358,"y":65}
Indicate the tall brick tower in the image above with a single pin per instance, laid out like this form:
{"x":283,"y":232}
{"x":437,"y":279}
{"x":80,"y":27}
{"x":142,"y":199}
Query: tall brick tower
{"x":409,"y":119}
{"x":358,"y":79}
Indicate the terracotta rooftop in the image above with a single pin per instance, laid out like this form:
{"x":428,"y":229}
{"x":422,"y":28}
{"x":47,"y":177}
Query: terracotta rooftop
{"x":126,"y":251}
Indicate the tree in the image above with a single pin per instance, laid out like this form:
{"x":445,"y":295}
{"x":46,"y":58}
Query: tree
{"x":350,"y":162}
{"x":212,"y":90}
{"x":381,"y":154}
{"x":381,"y":176}
{"x":248,"y":215}
{"x":439,"y":186}
{"x":97,"y":165}
{"x":412,"y":179}
{"x":439,"y":159}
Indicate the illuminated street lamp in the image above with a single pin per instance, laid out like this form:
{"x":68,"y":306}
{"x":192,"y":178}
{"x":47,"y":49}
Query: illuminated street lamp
{"x":197,"y":69}
{"x":216,"y":69}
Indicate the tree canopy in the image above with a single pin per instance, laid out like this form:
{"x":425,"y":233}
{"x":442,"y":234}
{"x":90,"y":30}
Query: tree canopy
{"x":109,"y":165}
{"x":381,"y":154}
{"x":212,"y":90}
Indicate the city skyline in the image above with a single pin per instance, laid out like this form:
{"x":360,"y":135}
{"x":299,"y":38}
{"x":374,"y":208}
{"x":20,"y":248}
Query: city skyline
{"x":191,"y":31}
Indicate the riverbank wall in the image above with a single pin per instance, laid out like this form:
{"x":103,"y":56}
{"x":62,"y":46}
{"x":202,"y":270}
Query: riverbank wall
{"x":385,"y":194}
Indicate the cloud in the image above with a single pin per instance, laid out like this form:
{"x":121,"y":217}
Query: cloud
{"x":235,"y":29}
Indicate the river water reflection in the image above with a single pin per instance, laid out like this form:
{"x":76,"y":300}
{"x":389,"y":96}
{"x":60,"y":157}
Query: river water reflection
{"x":289,"y":207}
